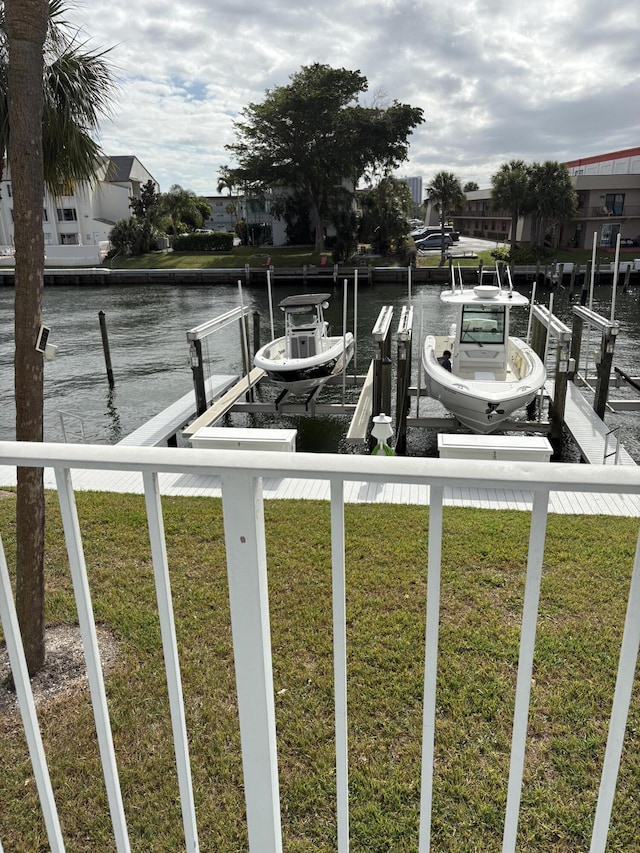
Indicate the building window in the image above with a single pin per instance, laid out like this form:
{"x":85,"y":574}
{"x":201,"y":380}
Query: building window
{"x":69,"y":240}
{"x":45,"y":215}
{"x":9,"y":190}
{"x":47,"y":238}
{"x":614,"y":202}
{"x":67,"y":214}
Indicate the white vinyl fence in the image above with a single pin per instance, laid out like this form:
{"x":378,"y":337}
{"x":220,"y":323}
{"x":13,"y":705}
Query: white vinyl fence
{"x":244,"y":530}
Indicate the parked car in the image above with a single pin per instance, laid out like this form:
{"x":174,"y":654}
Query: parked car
{"x":434,"y":241}
{"x":421,"y":233}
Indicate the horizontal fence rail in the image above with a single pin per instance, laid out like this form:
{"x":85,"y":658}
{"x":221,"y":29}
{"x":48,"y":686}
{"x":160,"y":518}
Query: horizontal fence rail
{"x":242,"y":473}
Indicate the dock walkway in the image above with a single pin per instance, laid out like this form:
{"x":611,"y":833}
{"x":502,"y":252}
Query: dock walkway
{"x":588,"y":430}
{"x":159,"y":429}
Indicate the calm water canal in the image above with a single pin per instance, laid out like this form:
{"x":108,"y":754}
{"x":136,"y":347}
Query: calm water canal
{"x":147,"y":334}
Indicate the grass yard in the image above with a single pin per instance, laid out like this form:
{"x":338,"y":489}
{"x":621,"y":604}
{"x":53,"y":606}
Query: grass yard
{"x":298,"y":256}
{"x":257,"y":257}
{"x":585,"y":584}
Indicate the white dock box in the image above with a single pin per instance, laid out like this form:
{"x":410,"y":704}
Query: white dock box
{"x":241,"y":438}
{"x":515,"y":447}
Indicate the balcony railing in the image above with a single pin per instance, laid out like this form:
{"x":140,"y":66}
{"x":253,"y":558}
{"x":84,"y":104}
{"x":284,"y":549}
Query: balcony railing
{"x":602,"y":211}
{"x":242,"y":474}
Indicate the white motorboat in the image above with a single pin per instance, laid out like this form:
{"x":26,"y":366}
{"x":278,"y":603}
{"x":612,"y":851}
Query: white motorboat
{"x":306,"y":356}
{"x":492,"y":373}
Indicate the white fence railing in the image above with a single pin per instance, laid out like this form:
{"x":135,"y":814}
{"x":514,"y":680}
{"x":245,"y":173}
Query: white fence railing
{"x":244,"y":530}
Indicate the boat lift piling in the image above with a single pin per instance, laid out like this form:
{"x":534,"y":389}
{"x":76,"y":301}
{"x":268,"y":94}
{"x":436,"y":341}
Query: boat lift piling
{"x":382,"y":361}
{"x":609,"y":330}
{"x":546,"y":327}
{"x":195,"y":337}
{"x":403,"y":380}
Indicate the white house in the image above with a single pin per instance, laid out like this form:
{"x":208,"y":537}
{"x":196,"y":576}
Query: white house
{"x":76,"y":226}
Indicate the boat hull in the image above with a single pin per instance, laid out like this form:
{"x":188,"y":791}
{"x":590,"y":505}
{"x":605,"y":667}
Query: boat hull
{"x":479,"y":404}
{"x":300,"y":375}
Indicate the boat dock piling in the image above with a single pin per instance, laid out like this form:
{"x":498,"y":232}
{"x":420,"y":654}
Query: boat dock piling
{"x":199,"y":333}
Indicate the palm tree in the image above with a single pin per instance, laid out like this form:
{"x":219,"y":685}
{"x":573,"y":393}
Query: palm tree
{"x":445,"y":190}
{"x":180,"y":205}
{"x":552,"y":197}
{"x":52,"y":92}
{"x":511,"y":191}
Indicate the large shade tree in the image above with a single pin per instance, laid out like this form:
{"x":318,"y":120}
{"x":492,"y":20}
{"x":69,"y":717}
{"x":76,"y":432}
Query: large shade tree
{"x":445,"y":191}
{"x":314,"y":138}
{"x":52,"y":92}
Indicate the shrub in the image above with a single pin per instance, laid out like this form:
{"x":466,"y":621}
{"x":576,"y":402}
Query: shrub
{"x":133,"y":237}
{"x":216,"y":241}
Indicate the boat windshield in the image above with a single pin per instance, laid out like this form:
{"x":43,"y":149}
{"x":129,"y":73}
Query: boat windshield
{"x":302,"y":317}
{"x":483,"y":324}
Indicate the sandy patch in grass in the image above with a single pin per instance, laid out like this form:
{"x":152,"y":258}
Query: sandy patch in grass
{"x":64,"y":670}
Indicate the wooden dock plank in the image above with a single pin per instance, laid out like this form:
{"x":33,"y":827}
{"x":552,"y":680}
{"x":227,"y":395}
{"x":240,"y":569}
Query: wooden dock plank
{"x":357,"y":433}
{"x":226,"y":402}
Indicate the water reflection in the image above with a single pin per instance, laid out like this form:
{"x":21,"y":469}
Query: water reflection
{"x":115,"y":427}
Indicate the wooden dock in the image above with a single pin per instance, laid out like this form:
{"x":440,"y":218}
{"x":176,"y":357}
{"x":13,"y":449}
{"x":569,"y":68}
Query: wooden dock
{"x":228,"y":400}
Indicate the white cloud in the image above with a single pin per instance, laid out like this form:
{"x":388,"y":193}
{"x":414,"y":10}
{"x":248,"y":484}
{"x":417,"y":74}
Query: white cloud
{"x":496,"y":79}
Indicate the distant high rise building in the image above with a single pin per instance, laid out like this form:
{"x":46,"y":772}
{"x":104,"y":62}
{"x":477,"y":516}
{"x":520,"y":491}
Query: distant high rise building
{"x":415,"y":188}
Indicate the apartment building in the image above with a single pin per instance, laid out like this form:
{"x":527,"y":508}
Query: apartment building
{"x":608,"y":191}
{"x":85,"y":215}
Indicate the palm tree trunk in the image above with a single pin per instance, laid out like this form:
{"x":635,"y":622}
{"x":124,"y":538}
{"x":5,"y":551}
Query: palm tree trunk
{"x":514,"y":230}
{"x":26,"y":26}
{"x":317,"y":223}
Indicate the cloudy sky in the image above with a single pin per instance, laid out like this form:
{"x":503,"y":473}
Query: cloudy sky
{"x":497,"y":79}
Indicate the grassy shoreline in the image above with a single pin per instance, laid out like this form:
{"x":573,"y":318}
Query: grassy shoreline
{"x":585,"y":585}
{"x":300,"y":256}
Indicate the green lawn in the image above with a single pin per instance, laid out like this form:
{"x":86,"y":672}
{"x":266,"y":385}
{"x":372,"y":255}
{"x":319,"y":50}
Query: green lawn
{"x":585,"y":584}
{"x":299,"y":256}
{"x":296,"y":256}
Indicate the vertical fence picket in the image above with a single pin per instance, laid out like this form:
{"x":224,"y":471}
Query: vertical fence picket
{"x":171,"y":661}
{"x":339,"y":595}
{"x":436,"y":495}
{"x":243,"y":512}
{"x":82,"y":595}
{"x":620,"y":710}
{"x":9,"y":622}
{"x":537,"y":535}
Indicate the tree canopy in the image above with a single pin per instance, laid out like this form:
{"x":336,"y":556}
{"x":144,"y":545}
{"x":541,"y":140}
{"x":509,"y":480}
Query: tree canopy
{"x":386,"y":209}
{"x":544,"y":190}
{"x":183,"y":207}
{"x":314,"y":138}
{"x":78,"y":88}
{"x":510,"y":191}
